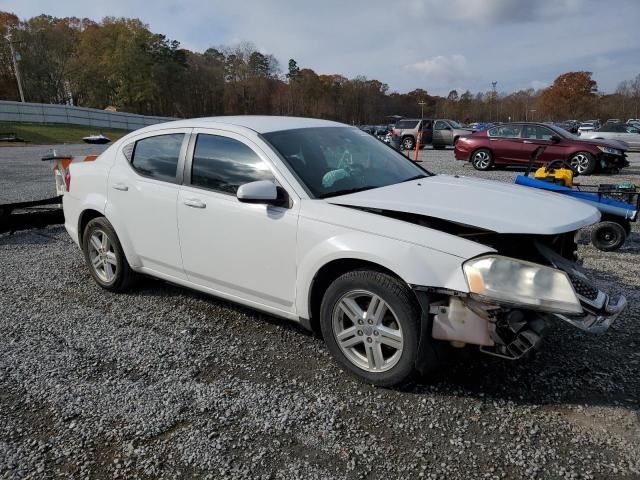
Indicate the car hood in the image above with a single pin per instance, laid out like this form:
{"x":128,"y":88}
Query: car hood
{"x":484,"y":204}
{"x":606,"y":143}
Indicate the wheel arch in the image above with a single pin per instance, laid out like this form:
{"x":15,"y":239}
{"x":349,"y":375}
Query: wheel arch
{"x":481,"y":147}
{"x":84,"y":218}
{"x":89,"y":214}
{"x":329,"y":272}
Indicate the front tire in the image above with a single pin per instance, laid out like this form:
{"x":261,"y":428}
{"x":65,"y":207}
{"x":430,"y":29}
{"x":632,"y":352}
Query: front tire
{"x":583,"y":162}
{"x":608,"y":236}
{"x":482,"y":159}
{"x":369,"y":321}
{"x":104,"y":256}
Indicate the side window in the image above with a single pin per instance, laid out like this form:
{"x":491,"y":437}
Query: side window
{"x":505,"y":131}
{"x":440,"y":125}
{"x":536,"y":132}
{"x":406,"y":124}
{"x":223,"y":164}
{"x":157,"y":157}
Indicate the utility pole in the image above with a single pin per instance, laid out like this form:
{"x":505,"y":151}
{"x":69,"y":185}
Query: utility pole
{"x":15,"y":65}
{"x":493,"y":99}
{"x":422,"y":103}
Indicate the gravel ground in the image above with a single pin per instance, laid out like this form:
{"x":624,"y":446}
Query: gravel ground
{"x":166,"y":383}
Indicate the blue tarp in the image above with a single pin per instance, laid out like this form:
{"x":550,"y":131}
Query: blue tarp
{"x":602,"y":203}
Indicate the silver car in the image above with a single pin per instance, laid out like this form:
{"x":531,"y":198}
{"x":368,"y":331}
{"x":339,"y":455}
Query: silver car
{"x":617,"y":131}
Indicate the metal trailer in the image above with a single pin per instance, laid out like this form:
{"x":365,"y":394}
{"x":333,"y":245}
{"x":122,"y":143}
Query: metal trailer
{"x":47,"y":211}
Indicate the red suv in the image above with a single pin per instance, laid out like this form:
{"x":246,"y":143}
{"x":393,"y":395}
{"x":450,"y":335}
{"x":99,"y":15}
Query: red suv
{"x":511,"y":144}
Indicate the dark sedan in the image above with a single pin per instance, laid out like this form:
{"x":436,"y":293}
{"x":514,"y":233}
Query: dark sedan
{"x":511,"y":144}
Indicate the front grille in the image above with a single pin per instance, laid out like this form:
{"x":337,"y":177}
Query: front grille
{"x":583,"y":288}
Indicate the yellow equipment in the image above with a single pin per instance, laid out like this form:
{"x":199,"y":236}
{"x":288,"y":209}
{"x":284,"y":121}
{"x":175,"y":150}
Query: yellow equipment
{"x":559,"y":176}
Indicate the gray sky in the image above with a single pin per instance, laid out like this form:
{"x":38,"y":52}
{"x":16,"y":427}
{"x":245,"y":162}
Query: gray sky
{"x":436,"y":45}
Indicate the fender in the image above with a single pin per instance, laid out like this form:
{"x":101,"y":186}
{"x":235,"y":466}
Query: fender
{"x":414,"y":264}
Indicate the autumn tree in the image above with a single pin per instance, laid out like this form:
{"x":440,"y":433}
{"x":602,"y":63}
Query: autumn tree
{"x":8,"y":84}
{"x":572,"y":95}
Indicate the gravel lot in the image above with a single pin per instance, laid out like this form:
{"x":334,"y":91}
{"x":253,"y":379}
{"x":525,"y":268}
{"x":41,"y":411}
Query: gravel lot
{"x":166,"y":383}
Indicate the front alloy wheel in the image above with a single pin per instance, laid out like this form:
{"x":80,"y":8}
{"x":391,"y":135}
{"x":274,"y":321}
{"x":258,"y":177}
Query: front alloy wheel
{"x":367,"y":331}
{"x":369,"y":321}
{"x":583,"y":162}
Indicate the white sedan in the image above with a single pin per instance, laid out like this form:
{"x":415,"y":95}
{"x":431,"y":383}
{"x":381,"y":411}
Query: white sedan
{"x":629,"y":134}
{"x":321,"y":223}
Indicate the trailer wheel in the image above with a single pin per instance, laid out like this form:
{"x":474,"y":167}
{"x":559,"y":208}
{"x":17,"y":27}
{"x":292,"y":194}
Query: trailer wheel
{"x":608,"y":236}
{"x":105,"y":257}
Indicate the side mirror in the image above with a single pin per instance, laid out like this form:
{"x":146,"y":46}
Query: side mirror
{"x":555,"y":139}
{"x":261,"y":191}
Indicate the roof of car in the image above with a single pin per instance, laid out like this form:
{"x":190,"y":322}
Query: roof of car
{"x":258,"y":123}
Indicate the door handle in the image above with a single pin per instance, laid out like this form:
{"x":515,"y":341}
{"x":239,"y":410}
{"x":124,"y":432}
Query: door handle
{"x":194,"y":203}
{"x":120,"y":186}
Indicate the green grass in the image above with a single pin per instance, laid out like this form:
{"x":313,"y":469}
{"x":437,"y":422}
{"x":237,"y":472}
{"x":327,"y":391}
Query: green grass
{"x":49,"y":134}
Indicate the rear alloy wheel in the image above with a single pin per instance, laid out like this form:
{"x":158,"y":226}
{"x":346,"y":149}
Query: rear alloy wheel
{"x":104,"y":256}
{"x":369,"y":322}
{"x":408,"y":143}
{"x":583,"y":162}
{"x":482,"y":159}
{"x":608,"y":236}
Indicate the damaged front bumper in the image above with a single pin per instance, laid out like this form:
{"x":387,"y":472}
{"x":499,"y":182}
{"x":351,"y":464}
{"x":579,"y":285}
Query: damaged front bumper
{"x":598,"y":322}
{"x":512,"y":331}
{"x":599,"y":309}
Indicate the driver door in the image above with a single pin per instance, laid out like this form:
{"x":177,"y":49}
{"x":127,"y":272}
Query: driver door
{"x":240,"y":250}
{"x":534,"y":136}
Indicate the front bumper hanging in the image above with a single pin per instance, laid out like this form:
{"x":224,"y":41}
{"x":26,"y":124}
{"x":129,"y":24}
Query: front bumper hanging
{"x":600,"y":309}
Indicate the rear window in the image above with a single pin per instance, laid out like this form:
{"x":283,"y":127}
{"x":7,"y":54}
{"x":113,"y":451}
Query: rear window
{"x":157,"y":157}
{"x":407,"y":124}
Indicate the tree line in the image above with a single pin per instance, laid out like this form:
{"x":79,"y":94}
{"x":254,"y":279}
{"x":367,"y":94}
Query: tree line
{"x":119,"y":62}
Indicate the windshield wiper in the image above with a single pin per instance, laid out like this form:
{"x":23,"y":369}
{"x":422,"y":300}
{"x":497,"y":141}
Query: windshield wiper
{"x":347,"y":191}
{"x":417,"y":177}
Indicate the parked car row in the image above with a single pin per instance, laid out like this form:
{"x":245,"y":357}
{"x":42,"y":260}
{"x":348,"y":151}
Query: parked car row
{"x":437,"y":132}
{"x":624,"y":132}
{"x":512,"y":144}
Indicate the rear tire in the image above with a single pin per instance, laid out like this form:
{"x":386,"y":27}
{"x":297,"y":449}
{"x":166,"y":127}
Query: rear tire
{"x":369,"y":321}
{"x":482,"y":159}
{"x":408,"y":143}
{"x":608,"y":236}
{"x":583,"y":162}
{"x":105,"y":258}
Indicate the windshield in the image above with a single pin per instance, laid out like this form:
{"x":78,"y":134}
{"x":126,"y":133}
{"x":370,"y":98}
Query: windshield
{"x":455,"y":124}
{"x":332,"y":161}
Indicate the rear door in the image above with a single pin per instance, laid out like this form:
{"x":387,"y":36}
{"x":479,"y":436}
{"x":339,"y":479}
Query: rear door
{"x":506,"y":144}
{"x":142,"y":193}
{"x":240,"y":250}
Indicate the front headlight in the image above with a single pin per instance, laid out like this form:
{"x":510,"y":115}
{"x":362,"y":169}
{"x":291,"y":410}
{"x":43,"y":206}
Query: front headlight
{"x":516,"y":282}
{"x":610,"y":150}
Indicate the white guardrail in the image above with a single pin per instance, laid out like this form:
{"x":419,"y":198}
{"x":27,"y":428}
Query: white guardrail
{"x":48,"y":113}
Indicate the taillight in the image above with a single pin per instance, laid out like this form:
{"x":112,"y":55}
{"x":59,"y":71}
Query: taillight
{"x":67,"y":180}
